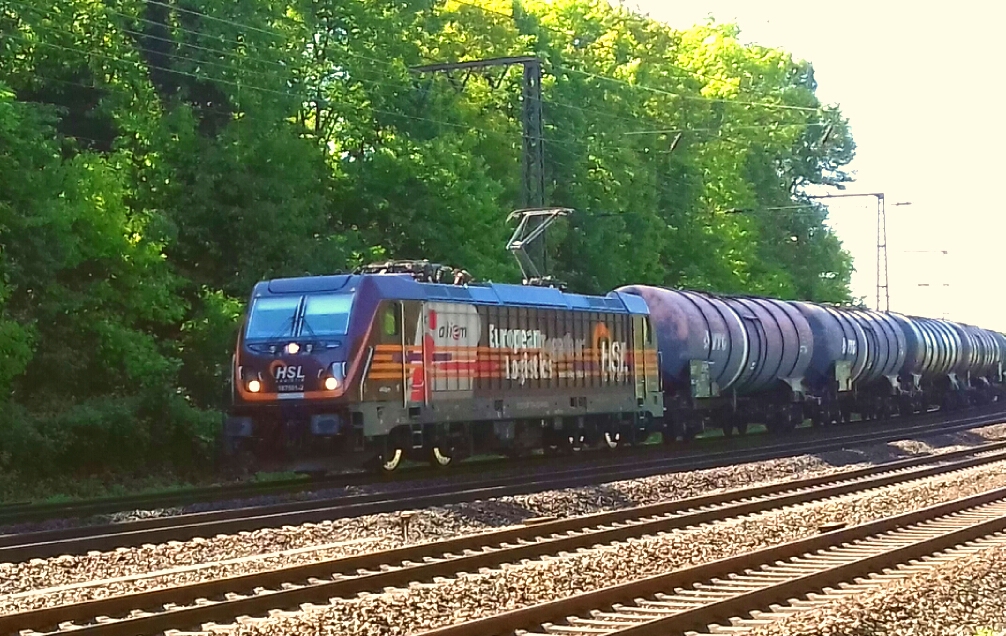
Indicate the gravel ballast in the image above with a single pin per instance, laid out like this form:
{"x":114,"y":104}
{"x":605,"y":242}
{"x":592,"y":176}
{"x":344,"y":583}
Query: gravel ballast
{"x":962,"y":597}
{"x":311,"y":542}
{"x":473,"y":595}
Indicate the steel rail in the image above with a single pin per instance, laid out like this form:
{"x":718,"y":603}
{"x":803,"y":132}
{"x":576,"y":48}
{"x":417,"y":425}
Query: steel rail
{"x":79,"y":540}
{"x":16,"y":513}
{"x":693,"y":598}
{"x":289,"y":587}
{"x":28,"y":511}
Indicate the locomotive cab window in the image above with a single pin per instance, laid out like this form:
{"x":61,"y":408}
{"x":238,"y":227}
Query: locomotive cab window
{"x":391,"y":320}
{"x":272,"y":318}
{"x":326,"y":315}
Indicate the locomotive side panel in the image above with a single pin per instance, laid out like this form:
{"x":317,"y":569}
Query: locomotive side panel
{"x":466,"y":363}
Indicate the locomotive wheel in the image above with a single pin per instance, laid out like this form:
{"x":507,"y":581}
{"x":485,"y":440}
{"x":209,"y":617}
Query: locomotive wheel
{"x":611,"y":440}
{"x":392,"y":459}
{"x":728,"y":428}
{"x":742,"y":427}
{"x":557,"y":443}
{"x":441,"y":456}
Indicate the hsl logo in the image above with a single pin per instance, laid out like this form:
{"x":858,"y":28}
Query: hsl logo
{"x":289,"y":373}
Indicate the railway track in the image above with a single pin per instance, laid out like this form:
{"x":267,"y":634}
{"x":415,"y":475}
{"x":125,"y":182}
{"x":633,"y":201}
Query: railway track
{"x":192,"y":605}
{"x":27,"y":512}
{"x":736,"y":594}
{"x":79,"y":540}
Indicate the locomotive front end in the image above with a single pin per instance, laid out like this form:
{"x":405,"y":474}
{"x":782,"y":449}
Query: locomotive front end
{"x":291,"y":383}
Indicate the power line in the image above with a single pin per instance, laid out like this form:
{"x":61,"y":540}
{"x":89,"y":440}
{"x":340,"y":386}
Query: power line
{"x":251,"y":86}
{"x":635,"y":86}
{"x":555,"y":142}
{"x":180,"y":29}
{"x":237,"y":70}
{"x":296,"y":96}
{"x":587,"y":142}
{"x":198,"y":34}
{"x":731,"y":127}
{"x":643,"y":86}
{"x":721,"y":100}
{"x":214,"y":18}
{"x":592,"y":111}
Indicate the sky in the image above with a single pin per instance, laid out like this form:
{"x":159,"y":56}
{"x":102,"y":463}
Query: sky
{"x":922,"y":86}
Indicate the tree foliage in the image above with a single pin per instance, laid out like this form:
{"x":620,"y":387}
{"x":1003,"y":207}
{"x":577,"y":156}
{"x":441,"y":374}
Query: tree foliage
{"x":157,"y":157}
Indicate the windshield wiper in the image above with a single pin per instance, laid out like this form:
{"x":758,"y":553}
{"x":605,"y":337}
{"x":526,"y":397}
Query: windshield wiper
{"x":304,"y":324}
{"x":285,"y":330}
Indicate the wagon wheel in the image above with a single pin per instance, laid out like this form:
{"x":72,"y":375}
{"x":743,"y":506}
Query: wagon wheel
{"x":785,"y":421}
{"x":692,"y":426}
{"x":671,"y":431}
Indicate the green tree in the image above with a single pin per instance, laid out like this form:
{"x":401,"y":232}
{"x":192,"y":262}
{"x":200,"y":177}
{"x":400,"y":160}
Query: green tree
{"x":157,"y":158}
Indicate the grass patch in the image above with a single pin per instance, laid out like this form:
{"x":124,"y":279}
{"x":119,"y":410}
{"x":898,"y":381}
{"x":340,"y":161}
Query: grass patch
{"x":264,"y":478}
{"x":65,"y":489}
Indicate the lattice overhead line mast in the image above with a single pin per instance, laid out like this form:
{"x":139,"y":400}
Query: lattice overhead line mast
{"x":533,"y":154}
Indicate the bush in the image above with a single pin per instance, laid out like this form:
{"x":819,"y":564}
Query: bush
{"x":109,"y":439}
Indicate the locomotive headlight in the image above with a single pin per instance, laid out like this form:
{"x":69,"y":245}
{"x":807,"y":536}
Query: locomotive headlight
{"x":254,"y":386}
{"x":293,"y":348}
{"x":336,"y":375}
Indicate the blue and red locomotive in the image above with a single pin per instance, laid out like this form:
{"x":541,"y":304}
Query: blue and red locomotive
{"x":390,"y":363}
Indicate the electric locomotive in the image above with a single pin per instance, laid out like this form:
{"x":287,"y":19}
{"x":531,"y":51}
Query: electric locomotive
{"x":392,"y":363}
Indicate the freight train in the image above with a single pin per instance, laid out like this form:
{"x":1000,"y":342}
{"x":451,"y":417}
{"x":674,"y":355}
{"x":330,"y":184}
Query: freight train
{"x":412,"y":361}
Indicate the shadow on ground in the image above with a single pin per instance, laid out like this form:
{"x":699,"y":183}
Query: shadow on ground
{"x":890,"y":452}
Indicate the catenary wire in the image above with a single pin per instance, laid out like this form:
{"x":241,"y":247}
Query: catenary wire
{"x":403,"y":85}
{"x":635,"y":86}
{"x":250,"y":86}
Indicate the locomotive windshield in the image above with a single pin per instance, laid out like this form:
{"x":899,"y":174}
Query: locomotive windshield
{"x":326,"y":315}
{"x":284,"y":317}
{"x":273,"y":317}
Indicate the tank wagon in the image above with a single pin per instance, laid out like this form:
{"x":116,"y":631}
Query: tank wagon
{"x":730,"y":361}
{"x":412,"y":361}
